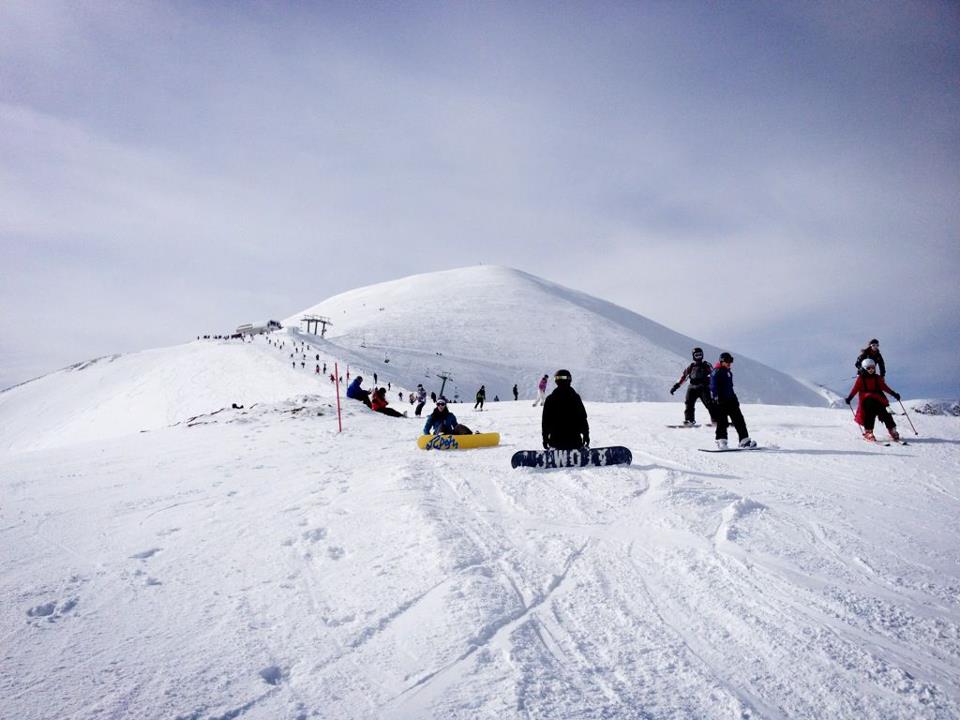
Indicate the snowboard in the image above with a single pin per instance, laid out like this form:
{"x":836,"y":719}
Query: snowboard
{"x":458,"y":442}
{"x":616,"y":455}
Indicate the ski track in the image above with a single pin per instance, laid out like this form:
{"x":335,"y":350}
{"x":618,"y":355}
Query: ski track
{"x":259,"y":565}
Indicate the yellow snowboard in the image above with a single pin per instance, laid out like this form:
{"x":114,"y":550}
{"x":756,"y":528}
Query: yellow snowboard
{"x":457,"y":442}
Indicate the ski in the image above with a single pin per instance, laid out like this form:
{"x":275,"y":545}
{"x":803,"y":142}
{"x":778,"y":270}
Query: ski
{"x":683,"y":426}
{"x":729,"y":449}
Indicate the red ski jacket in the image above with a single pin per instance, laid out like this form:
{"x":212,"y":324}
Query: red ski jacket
{"x":378,"y":401}
{"x":871,"y":386}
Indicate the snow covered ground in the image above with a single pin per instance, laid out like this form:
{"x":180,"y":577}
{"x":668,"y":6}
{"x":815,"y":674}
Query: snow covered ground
{"x":256,"y":563}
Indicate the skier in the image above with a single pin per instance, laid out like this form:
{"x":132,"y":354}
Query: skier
{"x":355,"y":392}
{"x":375,"y":379}
{"x":400,"y":393}
{"x":378,"y":403}
{"x":541,"y":391}
{"x":443,"y":422}
{"x":421,"y":399}
{"x":870,"y":386}
{"x":698,"y":372}
{"x":727,"y":405}
{"x":318,"y":370}
{"x":481,"y":396}
{"x":516,"y":393}
{"x":872,"y":351}
{"x":564,"y":422}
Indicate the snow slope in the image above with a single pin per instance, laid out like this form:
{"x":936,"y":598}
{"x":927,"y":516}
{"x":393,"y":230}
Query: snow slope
{"x":499,"y":326}
{"x":258,"y":564}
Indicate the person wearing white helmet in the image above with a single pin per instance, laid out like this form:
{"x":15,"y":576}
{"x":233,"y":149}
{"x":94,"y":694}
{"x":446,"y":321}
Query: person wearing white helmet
{"x":873,"y":403}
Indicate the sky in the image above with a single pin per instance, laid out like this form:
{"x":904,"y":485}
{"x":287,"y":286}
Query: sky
{"x":782,"y":179}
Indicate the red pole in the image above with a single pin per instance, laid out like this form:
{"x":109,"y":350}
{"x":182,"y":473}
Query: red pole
{"x":336,"y":373}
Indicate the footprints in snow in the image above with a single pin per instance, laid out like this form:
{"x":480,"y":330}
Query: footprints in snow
{"x":310,"y":538}
{"x":51,"y":611}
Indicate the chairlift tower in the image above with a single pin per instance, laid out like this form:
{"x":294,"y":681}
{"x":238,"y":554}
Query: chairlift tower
{"x":312,"y":321}
{"x":444,"y":375}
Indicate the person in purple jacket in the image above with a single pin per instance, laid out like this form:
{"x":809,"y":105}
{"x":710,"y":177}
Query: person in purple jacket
{"x":727,"y":405}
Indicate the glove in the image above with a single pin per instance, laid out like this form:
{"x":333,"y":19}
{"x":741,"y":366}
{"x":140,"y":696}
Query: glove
{"x":847,"y":400}
{"x":897,"y":396}
{"x":546,"y":445}
{"x":674,"y":389}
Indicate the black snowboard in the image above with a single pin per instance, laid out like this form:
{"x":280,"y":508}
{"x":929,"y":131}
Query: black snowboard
{"x":616,"y":455}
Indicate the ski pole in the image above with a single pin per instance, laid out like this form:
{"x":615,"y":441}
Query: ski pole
{"x":908,"y":418}
{"x":855,"y":418}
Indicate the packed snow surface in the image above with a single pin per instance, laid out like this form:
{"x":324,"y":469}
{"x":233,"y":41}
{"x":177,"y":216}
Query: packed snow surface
{"x":256,"y":563}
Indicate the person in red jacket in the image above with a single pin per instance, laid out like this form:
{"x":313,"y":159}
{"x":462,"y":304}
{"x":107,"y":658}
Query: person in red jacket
{"x":378,"y":403}
{"x":873,"y":402}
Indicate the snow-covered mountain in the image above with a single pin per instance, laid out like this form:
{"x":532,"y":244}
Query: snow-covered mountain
{"x":498,"y":326}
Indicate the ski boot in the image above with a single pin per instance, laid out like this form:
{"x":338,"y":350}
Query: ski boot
{"x":894,"y":435}
{"x":869,"y":436}
{"x":747,"y":443}
{"x":721,"y":444}
{"x":689,"y":423}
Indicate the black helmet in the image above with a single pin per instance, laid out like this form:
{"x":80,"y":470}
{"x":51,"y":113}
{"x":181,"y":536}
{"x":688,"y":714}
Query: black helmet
{"x":562,"y":377}
{"x":726,"y":357}
{"x":697,"y":353}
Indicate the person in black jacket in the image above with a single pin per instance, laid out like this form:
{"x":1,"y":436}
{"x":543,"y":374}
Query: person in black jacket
{"x":698,"y":372}
{"x":872,"y":351}
{"x":564,"y":422}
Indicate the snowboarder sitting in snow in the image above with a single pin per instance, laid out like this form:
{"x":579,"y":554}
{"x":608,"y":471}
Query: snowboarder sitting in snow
{"x":378,"y":403}
{"x":564,"y":422}
{"x":355,"y":392}
{"x":698,"y":372}
{"x":872,"y":351}
{"x":872,"y":403}
{"x":443,"y":422}
{"x":727,"y":405}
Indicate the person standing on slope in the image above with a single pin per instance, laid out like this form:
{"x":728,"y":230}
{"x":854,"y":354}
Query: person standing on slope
{"x":481,"y":396}
{"x":541,"y":391}
{"x":873,"y":403}
{"x":872,"y":351}
{"x":516,"y":393}
{"x":727,"y":405}
{"x":564,"y":422}
{"x":421,"y":399}
{"x":698,"y":372}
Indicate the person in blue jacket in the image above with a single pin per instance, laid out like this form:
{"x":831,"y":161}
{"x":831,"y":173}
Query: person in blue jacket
{"x":355,"y":392}
{"x":443,"y":422}
{"x":727,"y":405}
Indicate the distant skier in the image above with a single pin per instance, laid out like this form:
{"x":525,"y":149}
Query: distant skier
{"x":375,"y":379}
{"x":355,"y":392}
{"x":564,"y":424}
{"x":378,"y":403}
{"x":433,"y":397}
{"x":443,"y":422}
{"x":727,"y":405}
{"x":872,"y":351}
{"x":421,"y":399}
{"x":516,"y":393}
{"x":324,"y":368}
{"x":873,"y":403}
{"x":541,"y":391}
{"x":318,"y":370}
{"x":698,"y":372}
{"x":400,"y":393}
{"x":481,"y":396}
